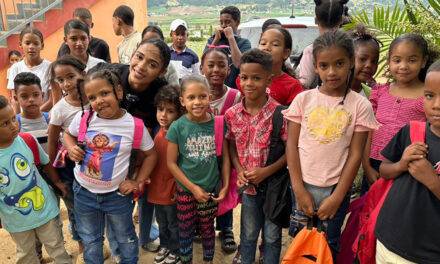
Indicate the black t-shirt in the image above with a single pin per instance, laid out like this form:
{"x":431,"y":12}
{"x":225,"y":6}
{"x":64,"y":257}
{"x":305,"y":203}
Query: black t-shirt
{"x":139,"y":104}
{"x":98,"y":48}
{"x":409,"y":221}
{"x":243,"y":45}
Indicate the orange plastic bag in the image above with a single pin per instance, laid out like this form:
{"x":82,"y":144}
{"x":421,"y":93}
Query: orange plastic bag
{"x":308,"y":247}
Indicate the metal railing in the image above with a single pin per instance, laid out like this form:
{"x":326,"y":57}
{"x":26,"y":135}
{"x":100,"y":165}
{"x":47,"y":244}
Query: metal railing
{"x":22,"y":15}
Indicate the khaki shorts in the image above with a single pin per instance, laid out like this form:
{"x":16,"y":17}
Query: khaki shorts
{"x":50,"y":235}
{"x":384,"y":256}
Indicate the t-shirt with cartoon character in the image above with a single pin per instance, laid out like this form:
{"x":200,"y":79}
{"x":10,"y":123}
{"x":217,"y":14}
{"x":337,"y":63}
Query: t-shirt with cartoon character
{"x":327,"y":127}
{"x":26,"y":200}
{"x":197,"y":158}
{"x":108,"y":148}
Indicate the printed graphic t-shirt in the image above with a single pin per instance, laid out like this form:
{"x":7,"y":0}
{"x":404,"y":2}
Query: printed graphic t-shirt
{"x":409,"y":220}
{"x":327,"y":128}
{"x":197,"y":158}
{"x":108,"y":148}
{"x":26,"y":201}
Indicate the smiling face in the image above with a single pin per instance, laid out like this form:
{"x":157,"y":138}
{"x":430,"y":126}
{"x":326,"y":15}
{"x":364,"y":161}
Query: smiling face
{"x":31,"y":45}
{"x":195,"y":98}
{"x":146,"y":65}
{"x":215,"y":67}
{"x":14,"y":58}
{"x":272,"y":42}
{"x":431,"y":100}
{"x":30,"y":98}
{"x":78,"y":42}
{"x":103,"y":99}
{"x":333,"y":66}
{"x":254,"y":80}
{"x":366,"y":61}
{"x":405,"y":62}
{"x":8,"y":126}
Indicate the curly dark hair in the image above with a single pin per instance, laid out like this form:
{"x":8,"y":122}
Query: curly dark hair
{"x":169,"y":94}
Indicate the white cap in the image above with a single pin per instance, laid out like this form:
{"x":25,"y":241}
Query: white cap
{"x":176,"y":23}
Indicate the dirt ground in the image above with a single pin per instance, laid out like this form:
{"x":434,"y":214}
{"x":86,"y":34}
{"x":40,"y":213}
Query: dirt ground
{"x":7,"y":246}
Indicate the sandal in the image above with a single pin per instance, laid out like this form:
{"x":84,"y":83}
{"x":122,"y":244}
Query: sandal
{"x":228,"y":244}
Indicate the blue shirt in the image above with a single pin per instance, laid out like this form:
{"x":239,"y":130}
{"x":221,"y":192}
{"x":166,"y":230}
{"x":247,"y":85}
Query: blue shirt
{"x":26,"y":201}
{"x":185,"y":62}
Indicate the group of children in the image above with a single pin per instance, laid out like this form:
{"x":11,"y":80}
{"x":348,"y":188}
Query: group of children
{"x":150,"y":131}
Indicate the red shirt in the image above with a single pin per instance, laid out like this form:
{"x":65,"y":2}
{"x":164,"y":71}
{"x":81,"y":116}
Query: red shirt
{"x":162,"y":188}
{"x":252,"y":133}
{"x":284,"y":88}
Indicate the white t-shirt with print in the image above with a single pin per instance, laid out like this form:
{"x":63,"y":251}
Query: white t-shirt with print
{"x":91,"y":62}
{"x":108,"y":147}
{"x":217,"y":105}
{"x":39,"y":70}
{"x":62,"y":113}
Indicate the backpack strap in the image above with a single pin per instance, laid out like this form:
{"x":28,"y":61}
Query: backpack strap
{"x":277,"y":123}
{"x":46,"y":116}
{"x":18,"y":118}
{"x":32,"y":144}
{"x":218,"y":134}
{"x":229,"y":101}
{"x":417,"y":131}
{"x":138,"y":132}
{"x":83,"y":126}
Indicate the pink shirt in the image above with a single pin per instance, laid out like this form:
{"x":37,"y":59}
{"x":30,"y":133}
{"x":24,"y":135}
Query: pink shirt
{"x":327,"y":128}
{"x":393,"y":113}
{"x":306,"y":70}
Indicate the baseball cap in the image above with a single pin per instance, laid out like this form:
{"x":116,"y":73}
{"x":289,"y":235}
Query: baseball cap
{"x":176,"y":23}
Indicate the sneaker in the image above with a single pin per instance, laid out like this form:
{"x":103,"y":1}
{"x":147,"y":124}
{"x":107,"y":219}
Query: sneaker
{"x":161,"y":255}
{"x":152,"y":246}
{"x":172,"y":259}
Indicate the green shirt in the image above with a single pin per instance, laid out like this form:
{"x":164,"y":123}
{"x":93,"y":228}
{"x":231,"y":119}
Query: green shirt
{"x":196,"y":158}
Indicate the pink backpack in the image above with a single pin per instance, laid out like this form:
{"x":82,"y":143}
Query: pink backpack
{"x":137,"y":140}
{"x":229,"y":101}
{"x":232,"y":199}
{"x":364,"y":245}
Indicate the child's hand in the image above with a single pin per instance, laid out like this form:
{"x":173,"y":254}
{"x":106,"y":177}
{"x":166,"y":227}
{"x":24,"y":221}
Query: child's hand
{"x":328,"y":208}
{"x":256,"y":175}
{"x":422,"y":171}
{"x":222,"y":194}
{"x":371,"y":174}
{"x":241,"y":179}
{"x":413,"y":152}
{"x":304,"y":202}
{"x":76,"y":153}
{"x":200,"y":195}
{"x":128,"y":186}
{"x":229,"y":32}
{"x":63,"y":188}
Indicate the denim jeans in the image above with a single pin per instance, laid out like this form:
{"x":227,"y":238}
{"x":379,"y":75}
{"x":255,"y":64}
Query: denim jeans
{"x":91,"y":213}
{"x":66,"y":176}
{"x":147,"y":231}
{"x":166,"y":216}
{"x":253,"y":221}
{"x":224,"y":222}
{"x":332,"y":226}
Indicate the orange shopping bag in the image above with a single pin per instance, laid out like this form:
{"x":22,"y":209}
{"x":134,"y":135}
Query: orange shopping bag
{"x":309,"y":247}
